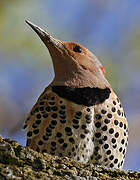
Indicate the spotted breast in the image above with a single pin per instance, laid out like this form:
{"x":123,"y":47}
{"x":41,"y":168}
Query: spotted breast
{"x":78,"y":115}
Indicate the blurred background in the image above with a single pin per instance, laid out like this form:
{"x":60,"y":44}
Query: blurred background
{"x":110,"y":29}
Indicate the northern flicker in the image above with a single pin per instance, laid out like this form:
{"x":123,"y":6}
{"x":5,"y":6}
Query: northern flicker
{"x":78,"y":115}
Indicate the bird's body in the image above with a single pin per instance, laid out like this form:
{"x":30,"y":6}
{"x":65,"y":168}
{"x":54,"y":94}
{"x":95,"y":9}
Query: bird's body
{"x":78,"y":115}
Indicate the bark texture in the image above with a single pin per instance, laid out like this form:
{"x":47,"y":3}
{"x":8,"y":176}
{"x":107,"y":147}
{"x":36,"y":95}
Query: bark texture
{"x":20,"y":163}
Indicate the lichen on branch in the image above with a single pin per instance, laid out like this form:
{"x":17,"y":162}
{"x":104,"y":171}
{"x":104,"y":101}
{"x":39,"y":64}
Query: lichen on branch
{"x":18,"y":162}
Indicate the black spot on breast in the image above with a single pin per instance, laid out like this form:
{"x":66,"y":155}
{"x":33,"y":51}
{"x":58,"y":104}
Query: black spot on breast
{"x":108,"y":152}
{"x":25,"y":126}
{"x":36,"y":110}
{"x":73,"y":149}
{"x":113,"y":140}
{"x":116,"y":134}
{"x":52,"y":153}
{"x":104,"y":128}
{"x":86,"y":96}
{"x":38,"y":121}
{"x":100,"y":141}
{"x":122,"y":141}
{"x":38,"y":116}
{"x":88,"y":109}
{"x":52,"y":103}
{"x":97,"y":148}
{"x":63,"y":121}
{"x":54,"y":108}
{"x":54,"y":115}
{"x":124,"y":151}
{"x":40,"y":143}
{"x":75,"y":121}
{"x":45,"y":138}
{"x":83,"y":126}
{"x":111,"y":165}
{"x":29,"y":134}
{"x":121,"y":124}
{"x":63,"y":116}
{"x":88,"y":118}
{"x":103,"y":111}
{"x":68,"y":131}
{"x":41,"y":103}
{"x":71,"y":140}
{"x":118,"y":165}
{"x":60,"y":154}
{"x":116,"y":122}
{"x":106,"y":146}
{"x":104,"y":138}
{"x":119,"y":113}
{"x":36,"y":131}
{"x":44,"y":151}
{"x":76,"y":126}
{"x":79,"y":113}
{"x":111,"y":157}
{"x":59,"y":135}
{"x":115,"y":161}
{"x":97,"y":135}
{"x":52,"y":98}
{"x":109,"y":115}
{"x":48,"y":109}
{"x":113,"y":109}
{"x":114,"y":146}
{"x":48,"y":129}
{"x":63,"y":107}
{"x":114,"y":102}
{"x":120,"y":149}
{"x":64,"y":146}
{"x":53,"y":143}
{"x":45,"y":115}
{"x":107,"y":121}
{"x":53,"y":122}
{"x":61,"y":141}
{"x":98,"y":124}
{"x":82,"y":136}
{"x":62,"y":112}
{"x":111,"y":130}
{"x":121,"y":163}
{"x":98,"y":116}
{"x":37,"y":149}
{"x":41,"y":108}
{"x":118,"y":100}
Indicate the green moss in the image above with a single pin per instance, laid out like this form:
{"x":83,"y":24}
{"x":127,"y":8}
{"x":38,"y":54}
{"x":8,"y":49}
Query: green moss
{"x":18,"y":162}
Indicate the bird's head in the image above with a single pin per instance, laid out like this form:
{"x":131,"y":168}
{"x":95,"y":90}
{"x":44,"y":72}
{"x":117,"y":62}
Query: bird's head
{"x":74,"y":65}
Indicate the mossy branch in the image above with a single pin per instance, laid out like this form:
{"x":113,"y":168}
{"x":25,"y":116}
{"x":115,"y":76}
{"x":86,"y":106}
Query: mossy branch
{"x":19,"y":163}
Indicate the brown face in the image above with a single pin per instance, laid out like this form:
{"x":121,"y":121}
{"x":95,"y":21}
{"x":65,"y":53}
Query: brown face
{"x":74,"y":65}
{"x":83,"y":57}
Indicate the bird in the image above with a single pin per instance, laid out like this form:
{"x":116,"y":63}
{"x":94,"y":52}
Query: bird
{"x":78,"y":115}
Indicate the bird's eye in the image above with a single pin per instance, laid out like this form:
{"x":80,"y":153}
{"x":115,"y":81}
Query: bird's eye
{"x":77,"y":48}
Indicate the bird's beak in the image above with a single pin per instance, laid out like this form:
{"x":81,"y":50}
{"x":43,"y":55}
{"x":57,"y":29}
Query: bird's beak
{"x":48,"y":40}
